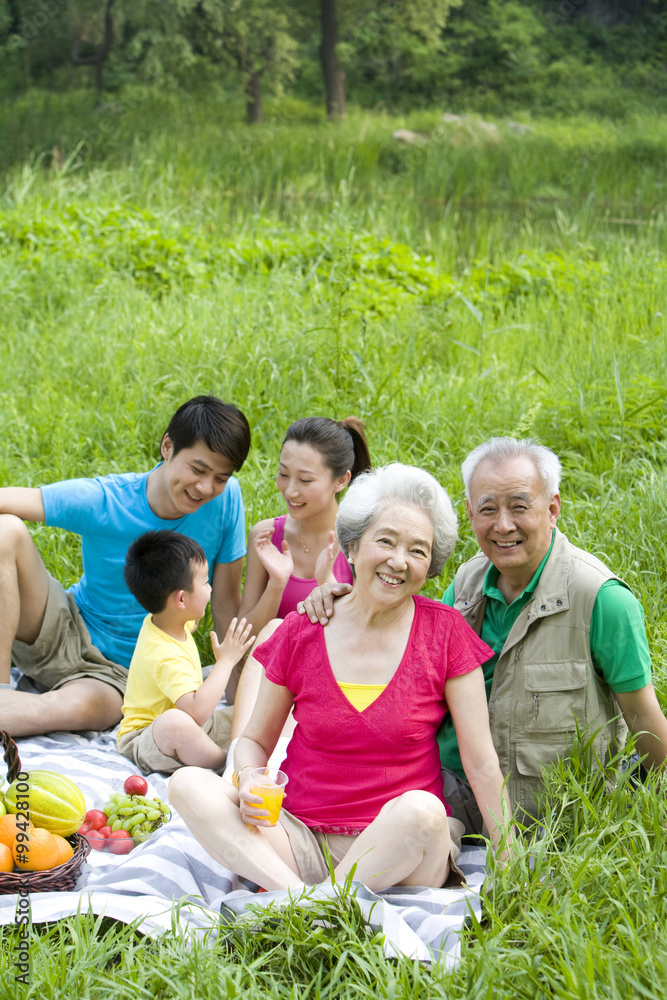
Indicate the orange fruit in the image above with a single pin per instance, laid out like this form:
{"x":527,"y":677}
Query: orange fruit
{"x":6,"y":859}
{"x":8,"y":829}
{"x":41,"y":851}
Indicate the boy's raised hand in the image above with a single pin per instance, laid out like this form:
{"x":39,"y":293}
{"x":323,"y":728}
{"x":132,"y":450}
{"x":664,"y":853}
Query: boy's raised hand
{"x":235,"y":643}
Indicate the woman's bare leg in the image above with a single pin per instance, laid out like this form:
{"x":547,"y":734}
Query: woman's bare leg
{"x":407,"y":844}
{"x":209,"y":806}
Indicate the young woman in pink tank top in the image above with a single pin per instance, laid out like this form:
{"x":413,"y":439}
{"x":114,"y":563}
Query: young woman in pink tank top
{"x":289,"y":556}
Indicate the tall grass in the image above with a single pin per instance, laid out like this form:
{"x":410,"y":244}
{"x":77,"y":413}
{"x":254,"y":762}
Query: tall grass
{"x":485,"y":282}
{"x":467,"y":191}
{"x":579,"y":914}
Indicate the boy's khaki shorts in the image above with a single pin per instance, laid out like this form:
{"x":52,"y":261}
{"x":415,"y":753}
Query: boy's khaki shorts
{"x":308,"y":849}
{"x":63,"y":651}
{"x":142,"y":749}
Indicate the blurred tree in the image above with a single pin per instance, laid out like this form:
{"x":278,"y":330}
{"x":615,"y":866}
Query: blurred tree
{"x":257,"y":37}
{"x":499,"y":43}
{"x":400,"y":52}
{"x":10,"y":18}
{"x":34,"y":39}
{"x":95,"y":37}
{"x":355,"y":24}
{"x":334,"y":77}
{"x":161,"y":36}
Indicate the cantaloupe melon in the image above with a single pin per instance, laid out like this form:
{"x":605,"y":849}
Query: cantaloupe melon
{"x":54,"y":802}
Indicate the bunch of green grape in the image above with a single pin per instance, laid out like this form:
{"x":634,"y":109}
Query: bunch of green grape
{"x":137,"y":814}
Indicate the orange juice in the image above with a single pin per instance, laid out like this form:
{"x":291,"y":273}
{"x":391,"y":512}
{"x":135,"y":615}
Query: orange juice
{"x":272,"y":798}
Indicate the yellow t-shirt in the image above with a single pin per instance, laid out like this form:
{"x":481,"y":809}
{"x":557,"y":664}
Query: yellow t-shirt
{"x":162,"y":670}
{"x":361,"y":696}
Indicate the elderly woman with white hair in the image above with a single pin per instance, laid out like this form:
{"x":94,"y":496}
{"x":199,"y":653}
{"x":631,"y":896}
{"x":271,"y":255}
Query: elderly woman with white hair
{"x":369,"y":692}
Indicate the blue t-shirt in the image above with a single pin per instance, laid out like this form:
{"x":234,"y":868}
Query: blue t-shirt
{"x":109,"y":513}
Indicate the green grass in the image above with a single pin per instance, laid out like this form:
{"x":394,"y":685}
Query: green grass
{"x":484,"y":283}
{"x":326,"y":952}
{"x":466,"y":192}
{"x":579,"y":914}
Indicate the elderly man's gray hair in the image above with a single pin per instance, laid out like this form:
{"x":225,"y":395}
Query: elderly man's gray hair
{"x":372,"y":491}
{"x":504,"y":449}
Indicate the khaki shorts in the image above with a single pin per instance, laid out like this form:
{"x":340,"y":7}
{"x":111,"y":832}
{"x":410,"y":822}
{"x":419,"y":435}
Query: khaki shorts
{"x":308,"y":849}
{"x":63,"y":651}
{"x":142,"y":749}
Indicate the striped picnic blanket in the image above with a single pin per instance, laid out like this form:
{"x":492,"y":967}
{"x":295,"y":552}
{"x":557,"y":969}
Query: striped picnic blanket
{"x":171,"y":868}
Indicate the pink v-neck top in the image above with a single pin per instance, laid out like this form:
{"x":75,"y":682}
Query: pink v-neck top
{"x":297,"y":588}
{"x":344,"y":765}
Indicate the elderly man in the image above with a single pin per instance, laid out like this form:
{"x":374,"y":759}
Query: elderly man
{"x":568,"y":636}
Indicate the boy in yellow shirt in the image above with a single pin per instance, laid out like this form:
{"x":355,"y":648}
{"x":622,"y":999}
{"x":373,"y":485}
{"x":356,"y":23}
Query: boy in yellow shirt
{"x":169,"y":718}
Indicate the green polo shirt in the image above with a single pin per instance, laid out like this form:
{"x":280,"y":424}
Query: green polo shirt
{"x":618,"y":641}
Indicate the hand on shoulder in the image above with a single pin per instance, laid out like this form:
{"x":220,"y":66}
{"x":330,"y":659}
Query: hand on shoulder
{"x":319,"y":605}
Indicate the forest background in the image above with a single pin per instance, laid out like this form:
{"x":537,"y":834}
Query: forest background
{"x":605,"y":56}
{"x":497,"y":268}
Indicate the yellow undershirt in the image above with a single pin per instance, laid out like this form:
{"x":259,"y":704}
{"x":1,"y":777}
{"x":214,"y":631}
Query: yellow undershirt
{"x":361,"y":696}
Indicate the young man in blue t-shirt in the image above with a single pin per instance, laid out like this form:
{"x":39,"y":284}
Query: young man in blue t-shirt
{"x":76,"y":645}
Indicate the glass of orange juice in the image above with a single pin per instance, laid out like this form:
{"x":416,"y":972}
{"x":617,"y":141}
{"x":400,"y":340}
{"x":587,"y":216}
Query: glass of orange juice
{"x":269,"y":784}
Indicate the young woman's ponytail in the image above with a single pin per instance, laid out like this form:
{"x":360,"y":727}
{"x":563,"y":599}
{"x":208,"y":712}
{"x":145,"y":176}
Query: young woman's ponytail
{"x":362,"y":458}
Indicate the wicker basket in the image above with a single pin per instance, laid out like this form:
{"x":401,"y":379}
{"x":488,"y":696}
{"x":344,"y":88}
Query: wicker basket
{"x":62,"y":878}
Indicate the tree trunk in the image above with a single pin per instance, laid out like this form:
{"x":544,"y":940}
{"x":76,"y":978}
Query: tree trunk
{"x":105,"y":47}
{"x":253,"y":94}
{"x":333,"y":74}
{"x":100,"y":55}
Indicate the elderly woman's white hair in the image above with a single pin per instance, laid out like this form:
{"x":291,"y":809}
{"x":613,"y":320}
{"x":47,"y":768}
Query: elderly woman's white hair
{"x":372,"y":491}
{"x":505,"y":449}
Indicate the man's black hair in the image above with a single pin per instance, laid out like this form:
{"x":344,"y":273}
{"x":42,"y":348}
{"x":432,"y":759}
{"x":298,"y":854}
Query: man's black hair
{"x":158,"y":563}
{"x":221,"y":426}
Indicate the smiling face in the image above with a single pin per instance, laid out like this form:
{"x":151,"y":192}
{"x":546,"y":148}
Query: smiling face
{"x":512,"y":518}
{"x":187,"y":480}
{"x":393,"y":556}
{"x":305,"y":482}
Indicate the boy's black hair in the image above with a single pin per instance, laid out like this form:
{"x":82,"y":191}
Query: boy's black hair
{"x":158,"y":563}
{"x":221,"y":426}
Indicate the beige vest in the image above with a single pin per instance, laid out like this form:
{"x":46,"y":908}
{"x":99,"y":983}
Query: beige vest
{"x":544,"y":683}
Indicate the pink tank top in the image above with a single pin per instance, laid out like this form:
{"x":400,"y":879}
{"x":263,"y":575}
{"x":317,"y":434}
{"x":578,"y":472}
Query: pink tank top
{"x":297,"y":589}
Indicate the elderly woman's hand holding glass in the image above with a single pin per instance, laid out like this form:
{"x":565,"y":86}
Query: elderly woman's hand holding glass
{"x":369,"y":693}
